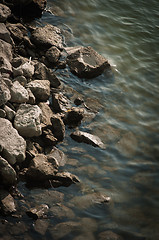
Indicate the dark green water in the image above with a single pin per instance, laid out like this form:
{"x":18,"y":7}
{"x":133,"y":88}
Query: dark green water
{"x":126,"y":32}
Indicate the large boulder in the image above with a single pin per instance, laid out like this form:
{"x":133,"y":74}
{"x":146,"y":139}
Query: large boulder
{"x":28,"y":120}
{"x":5,"y":12}
{"x":7,"y":173}
{"x":4,"y":92}
{"x":46,"y":37}
{"x":12,"y":144}
{"x":18,"y":93}
{"x":85,"y":62}
{"x":40,"y":89}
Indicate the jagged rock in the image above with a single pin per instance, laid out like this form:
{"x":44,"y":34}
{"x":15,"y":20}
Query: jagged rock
{"x":86,"y":62}
{"x":5,"y":12}
{"x":53,"y":55}
{"x":5,"y":34}
{"x":13,"y":146}
{"x":7,"y":203}
{"x":46,"y":37}
{"x":28,"y":69}
{"x":109,"y":235}
{"x":42,"y":73}
{"x":59,"y":103}
{"x":78,"y":101}
{"x":6,"y":50}
{"x":65,"y":178}
{"x":48,"y":137}
{"x":40,"y":89}
{"x":46,"y":113}
{"x":58,"y":127}
{"x":57,"y":157}
{"x":7,"y":173}
{"x":10,"y":113}
{"x":18,"y":31}
{"x":18,"y":93}
{"x":74,"y":116}
{"x":4,"y":92}
{"x":38,"y":212}
{"x":28,"y":120}
{"x":32,"y":99}
{"x":88,"y":138}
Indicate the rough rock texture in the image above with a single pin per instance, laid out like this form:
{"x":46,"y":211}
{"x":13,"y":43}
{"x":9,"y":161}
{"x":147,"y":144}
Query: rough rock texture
{"x":6,"y":50}
{"x":74,"y":116}
{"x":10,"y":113}
{"x":28,"y":120}
{"x":57,"y":157}
{"x":46,"y":113}
{"x":52,"y":55}
{"x":58,"y":127}
{"x":5,"y":12}
{"x":7,"y":173}
{"x":28,"y":69}
{"x":4,"y":33}
{"x":60,"y":211}
{"x":88,"y":138}
{"x":109,"y":235}
{"x":17,"y":31}
{"x":13,"y":146}
{"x":18,"y":93}
{"x":46,"y":37}
{"x":4,"y":92}
{"x":38,"y":212}
{"x":7,"y":203}
{"x":40,"y":89}
{"x":59,"y":103}
{"x":86,"y":62}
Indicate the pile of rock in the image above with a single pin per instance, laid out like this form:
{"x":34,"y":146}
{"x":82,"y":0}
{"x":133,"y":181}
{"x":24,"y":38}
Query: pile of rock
{"x":33,"y":110}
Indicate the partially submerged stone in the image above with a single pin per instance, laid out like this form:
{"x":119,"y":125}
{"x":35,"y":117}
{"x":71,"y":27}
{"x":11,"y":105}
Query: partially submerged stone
{"x":5,"y":12}
{"x":18,"y":93}
{"x":59,"y":102}
{"x":57,"y":156}
{"x":7,"y":203}
{"x":40,"y":89}
{"x":85,"y":62}
{"x":28,"y":120}
{"x":12,"y":144}
{"x":7,"y":173}
{"x":38,"y":212}
{"x":74,"y":116}
{"x":109,"y":235}
{"x":58,"y":127}
{"x":88,"y":138}
{"x":52,"y":55}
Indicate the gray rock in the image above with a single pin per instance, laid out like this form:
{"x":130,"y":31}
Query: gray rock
{"x":40,"y":89}
{"x":57,"y":157}
{"x":21,"y":79}
{"x":17,"y":72}
{"x":47,"y":113}
{"x":5,"y":66}
{"x":53,"y":55}
{"x":32,"y":99}
{"x":58,"y":127}
{"x":86,"y":62}
{"x":13,"y":146}
{"x":2,"y":113}
{"x":109,"y":235}
{"x":38,"y":212}
{"x":66,"y":178}
{"x":5,"y":34}
{"x":18,"y":93}
{"x":59,"y":103}
{"x":41,"y":226}
{"x":28,"y":120}
{"x":5,"y":12}
{"x":46,"y":37}
{"x":7,"y":203}
{"x":4,"y":93}
{"x":60,"y":211}
{"x":6,"y":50}
{"x":88,"y":138}
{"x":10,"y":113}
{"x":28,"y":69}
{"x":7,"y":173}
{"x":18,"y":31}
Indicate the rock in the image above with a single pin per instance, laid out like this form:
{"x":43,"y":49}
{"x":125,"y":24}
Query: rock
{"x":18,"y":93}
{"x":5,"y":95}
{"x":42,"y":73}
{"x":46,"y":37}
{"x":17,"y":61}
{"x":60,"y":211}
{"x":40,"y":89}
{"x":5,"y":34}
{"x":28,"y":69}
{"x":87,"y":63}
{"x":88,"y":138}
{"x":7,"y":203}
{"x":53,"y":55}
{"x":49,"y":138}
{"x":47,"y":113}
{"x":57,"y":157}
{"x":2,"y":113}
{"x":109,"y":235}
{"x":28,"y":120}
{"x":58,"y":127}
{"x":6,"y":50}
{"x":7,"y":173}
{"x":5,"y":12}
{"x":85,"y":235}
{"x":10,"y":113}
{"x":32,"y":99}
{"x":38,"y":212}
{"x":41,"y":226}
{"x":74,"y":116}
{"x":13,"y":146}
{"x":5,"y":66}
{"x":21,"y":79}
{"x":59,"y":103}
{"x":78,"y":101}
{"x":17,"y":72}
{"x":65,"y":179}
{"x":17,"y":31}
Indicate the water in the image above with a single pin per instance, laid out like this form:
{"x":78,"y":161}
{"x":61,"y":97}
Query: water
{"x":126,"y":33}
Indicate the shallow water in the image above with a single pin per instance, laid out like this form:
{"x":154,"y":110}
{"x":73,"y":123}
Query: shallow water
{"x":127,"y":33}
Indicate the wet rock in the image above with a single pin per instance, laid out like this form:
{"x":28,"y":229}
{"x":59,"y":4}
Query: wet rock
{"x":53,"y":55}
{"x":74,"y":116}
{"x":78,"y":101}
{"x":88,"y":138}
{"x":109,"y":235}
{"x":46,"y":113}
{"x":40,"y":89}
{"x":18,"y":93}
{"x":5,"y":34}
{"x":41,"y":226}
{"x":59,"y":102}
{"x":17,"y":31}
{"x":47,"y":196}
{"x":5,"y":12}
{"x":57,"y":157}
{"x":49,"y":138}
{"x":46,"y":37}
{"x":86,"y":62}
{"x":38,"y":212}
{"x":42,"y":73}
{"x":7,"y":173}
{"x":65,"y":179}
{"x":58,"y":127}
{"x":7,"y":203}
{"x":13,"y":146}
{"x":28,"y":120}
{"x":60,"y":211}
{"x":4,"y":92}
{"x":85,"y":235}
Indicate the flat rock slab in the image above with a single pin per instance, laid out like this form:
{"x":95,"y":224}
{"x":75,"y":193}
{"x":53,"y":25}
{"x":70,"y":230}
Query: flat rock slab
{"x":12,"y":144}
{"x":88,"y":138}
{"x":85,"y":62}
{"x":40,"y":89}
{"x":46,"y":37}
{"x":28,"y":120}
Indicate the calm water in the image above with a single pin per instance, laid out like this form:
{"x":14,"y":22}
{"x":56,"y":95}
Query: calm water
{"x":126,"y":32}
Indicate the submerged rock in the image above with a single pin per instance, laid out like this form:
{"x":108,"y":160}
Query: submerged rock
{"x":109,"y":235}
{"x":85,"y":62}
{"x":88,"y":138}
{"x":12,"y":144}
{"x":57,"y":156}
{"x":38,"y":212}
{"x":7,"y":173}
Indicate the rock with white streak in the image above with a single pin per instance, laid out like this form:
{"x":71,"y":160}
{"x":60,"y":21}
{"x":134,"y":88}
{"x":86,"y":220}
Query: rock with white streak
{"x":18,"y":93}
{"x":40,"y":89}
{"x":28,"y":120}
{"x":13,"y":146}
{"x":7,"y":173}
